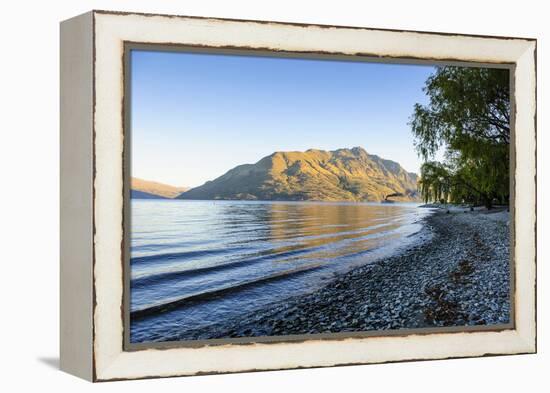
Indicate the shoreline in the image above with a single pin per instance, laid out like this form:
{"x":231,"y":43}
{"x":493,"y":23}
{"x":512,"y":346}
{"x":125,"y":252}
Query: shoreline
{"x":459,"y":277}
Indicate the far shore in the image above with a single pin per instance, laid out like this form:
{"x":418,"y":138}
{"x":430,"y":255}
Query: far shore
{"x":350,"y":202}
{"x":458,"y":276}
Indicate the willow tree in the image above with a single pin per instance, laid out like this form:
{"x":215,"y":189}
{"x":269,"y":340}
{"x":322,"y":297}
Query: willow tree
{"x":467,"y":116}
{"x":435,"y":183}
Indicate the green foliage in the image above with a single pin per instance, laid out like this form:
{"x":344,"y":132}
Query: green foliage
{"x":435,"y":183}
{"x":468,"y":115}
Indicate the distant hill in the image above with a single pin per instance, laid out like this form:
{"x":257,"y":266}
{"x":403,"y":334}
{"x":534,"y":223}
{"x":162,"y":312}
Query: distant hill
{"x":339,"y":175}
{"x":144,"y":195}
{"x":145,"y":189}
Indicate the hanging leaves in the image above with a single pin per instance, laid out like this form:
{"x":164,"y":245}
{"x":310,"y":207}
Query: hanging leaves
{"x":468,"y":116}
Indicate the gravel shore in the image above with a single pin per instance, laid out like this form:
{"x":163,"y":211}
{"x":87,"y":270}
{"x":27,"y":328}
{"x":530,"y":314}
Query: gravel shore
{"x":459,"y":277}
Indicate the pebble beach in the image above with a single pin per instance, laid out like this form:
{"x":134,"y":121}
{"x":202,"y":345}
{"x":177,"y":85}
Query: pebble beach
{"x":458,"y":274}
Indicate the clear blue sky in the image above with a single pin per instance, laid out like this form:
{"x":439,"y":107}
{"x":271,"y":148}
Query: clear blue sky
{"x":195,"y":116}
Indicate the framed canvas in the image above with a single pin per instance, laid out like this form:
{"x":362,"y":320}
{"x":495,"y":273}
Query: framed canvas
{"x":244,"y":195}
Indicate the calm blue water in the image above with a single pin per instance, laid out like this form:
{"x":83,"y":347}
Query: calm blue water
{"x":196,"y":263}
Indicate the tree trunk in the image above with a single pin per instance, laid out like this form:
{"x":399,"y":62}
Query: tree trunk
{"x":488,"y":202}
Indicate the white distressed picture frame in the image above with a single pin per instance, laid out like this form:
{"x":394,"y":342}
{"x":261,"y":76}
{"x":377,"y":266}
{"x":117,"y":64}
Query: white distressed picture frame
{"x":92,"y":197}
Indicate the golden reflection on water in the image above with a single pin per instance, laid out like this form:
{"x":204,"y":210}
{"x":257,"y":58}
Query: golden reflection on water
{"x":352,"y":226}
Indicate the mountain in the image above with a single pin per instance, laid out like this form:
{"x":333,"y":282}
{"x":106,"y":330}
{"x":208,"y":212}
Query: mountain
{"x":145,"y":189}
{"x":144,"y":195}
{"x":339,"y":175}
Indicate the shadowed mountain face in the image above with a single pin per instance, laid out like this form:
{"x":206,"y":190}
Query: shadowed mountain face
{"x":317,"y":175}
{"x":145,"y":189}
{"x":144,"y":195}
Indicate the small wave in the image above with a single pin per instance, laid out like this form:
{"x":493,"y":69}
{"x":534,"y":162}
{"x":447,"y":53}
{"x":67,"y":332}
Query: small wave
{"x":204,"y":296}
{"x":297,"y":250}
{"x":177,"y":255}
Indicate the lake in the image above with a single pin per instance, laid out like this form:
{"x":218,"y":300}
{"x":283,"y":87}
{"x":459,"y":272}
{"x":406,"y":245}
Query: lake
{"x":198,"y":263}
